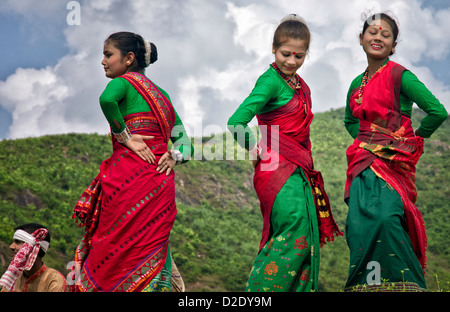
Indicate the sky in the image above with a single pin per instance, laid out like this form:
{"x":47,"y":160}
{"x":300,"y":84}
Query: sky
{"x":211,"y":52}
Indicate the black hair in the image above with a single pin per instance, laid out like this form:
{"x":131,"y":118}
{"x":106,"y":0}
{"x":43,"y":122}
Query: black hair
{"x":30,"y":228}
{"x":291,"y":29}
{"x":130,"y":42}
{"x":386,"y":18}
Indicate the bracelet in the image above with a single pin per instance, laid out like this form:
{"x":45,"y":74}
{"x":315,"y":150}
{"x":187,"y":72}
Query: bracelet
{"x":177,"y":156}
{"x":123,"y":136}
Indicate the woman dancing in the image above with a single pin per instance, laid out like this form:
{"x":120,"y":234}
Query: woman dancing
{"x":295,"y":208}
{"x":384,"y":229}
{"x":129,"y":208}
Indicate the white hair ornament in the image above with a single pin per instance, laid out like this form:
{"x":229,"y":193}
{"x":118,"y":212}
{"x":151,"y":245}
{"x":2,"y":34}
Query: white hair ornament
{"x":148,"y":51}
{"x":293,"y":17}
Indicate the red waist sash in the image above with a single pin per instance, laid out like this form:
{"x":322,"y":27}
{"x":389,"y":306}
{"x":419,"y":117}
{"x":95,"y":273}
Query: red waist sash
{"x":393,"y":157}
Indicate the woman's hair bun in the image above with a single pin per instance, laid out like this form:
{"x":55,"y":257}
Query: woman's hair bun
{"x":151,"y":53}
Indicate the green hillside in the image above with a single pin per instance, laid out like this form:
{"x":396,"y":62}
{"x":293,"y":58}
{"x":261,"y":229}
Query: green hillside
{"x":217,"y":231}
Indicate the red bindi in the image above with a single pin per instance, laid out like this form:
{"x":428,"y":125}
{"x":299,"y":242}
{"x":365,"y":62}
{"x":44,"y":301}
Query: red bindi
{"x":293,"y":53}
{"x":381,"y":28}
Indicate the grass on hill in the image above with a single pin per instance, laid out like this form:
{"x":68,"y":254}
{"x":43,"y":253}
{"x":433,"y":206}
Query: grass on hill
{"x":217,"y":231}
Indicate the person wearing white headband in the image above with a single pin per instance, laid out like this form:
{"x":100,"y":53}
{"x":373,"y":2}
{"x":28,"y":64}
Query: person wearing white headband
{"x":27,"y":272}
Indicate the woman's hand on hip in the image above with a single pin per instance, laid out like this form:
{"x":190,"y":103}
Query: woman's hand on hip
{"x":166,"y":163}
{"x":139,"y":147}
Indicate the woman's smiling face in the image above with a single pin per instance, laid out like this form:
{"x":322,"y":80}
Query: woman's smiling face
{"x":290,"y":56}
{"x":378,"y":40}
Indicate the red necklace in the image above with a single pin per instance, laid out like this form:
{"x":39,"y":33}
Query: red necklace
{"x":365,"y":80}
{"x":293,"y":84}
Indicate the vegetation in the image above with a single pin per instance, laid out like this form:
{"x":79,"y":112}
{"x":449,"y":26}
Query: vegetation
{"x":217,"y":231}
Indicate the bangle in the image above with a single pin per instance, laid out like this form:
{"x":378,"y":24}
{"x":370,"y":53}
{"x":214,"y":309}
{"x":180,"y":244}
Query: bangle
{"x":177,"y":156}
{"x":123,"y":136}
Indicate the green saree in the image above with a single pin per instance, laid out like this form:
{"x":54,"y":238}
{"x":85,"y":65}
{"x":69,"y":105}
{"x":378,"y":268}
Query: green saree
{"x":375,"y":231}
{"x":288,"y":261}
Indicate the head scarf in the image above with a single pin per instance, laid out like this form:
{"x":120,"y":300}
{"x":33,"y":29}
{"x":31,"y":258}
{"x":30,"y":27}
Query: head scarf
{"x":26,"y":256}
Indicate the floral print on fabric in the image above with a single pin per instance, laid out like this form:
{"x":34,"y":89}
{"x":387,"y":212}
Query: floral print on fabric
{"x":281,"y":267}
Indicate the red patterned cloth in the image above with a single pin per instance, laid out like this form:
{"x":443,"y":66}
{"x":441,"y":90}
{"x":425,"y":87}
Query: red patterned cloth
{"x":129,"y":209}
{"x":159,"y":104}
{"x":286,"y":145}
{"x":386,"y":143}
{"x":23,"y":260}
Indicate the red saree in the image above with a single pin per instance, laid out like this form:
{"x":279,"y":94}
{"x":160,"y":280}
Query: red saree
{"x":129,"y":208}
{"x":386,"y":143}
{"x":286,"y":145}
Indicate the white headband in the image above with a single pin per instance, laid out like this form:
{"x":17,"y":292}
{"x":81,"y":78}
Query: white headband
{"x":30,"y":239}
{"x":148,"y":51}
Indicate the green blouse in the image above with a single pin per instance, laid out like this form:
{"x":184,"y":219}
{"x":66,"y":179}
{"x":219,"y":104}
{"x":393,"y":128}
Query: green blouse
{"x":270,"y":92}
{"x":412,"y":90}
{"x":120,"y":99}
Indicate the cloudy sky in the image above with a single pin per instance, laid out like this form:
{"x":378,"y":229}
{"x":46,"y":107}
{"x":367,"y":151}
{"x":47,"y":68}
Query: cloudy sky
{"x":210,"y":54}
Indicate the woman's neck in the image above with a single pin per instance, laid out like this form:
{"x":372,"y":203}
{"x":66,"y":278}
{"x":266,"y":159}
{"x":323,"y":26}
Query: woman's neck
{"x":374,"y":65}
{"x":140,"y":71}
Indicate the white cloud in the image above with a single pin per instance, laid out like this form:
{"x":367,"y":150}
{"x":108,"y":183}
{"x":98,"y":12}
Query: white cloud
{"x":28,"y":95}
{"x":210,"y":55}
